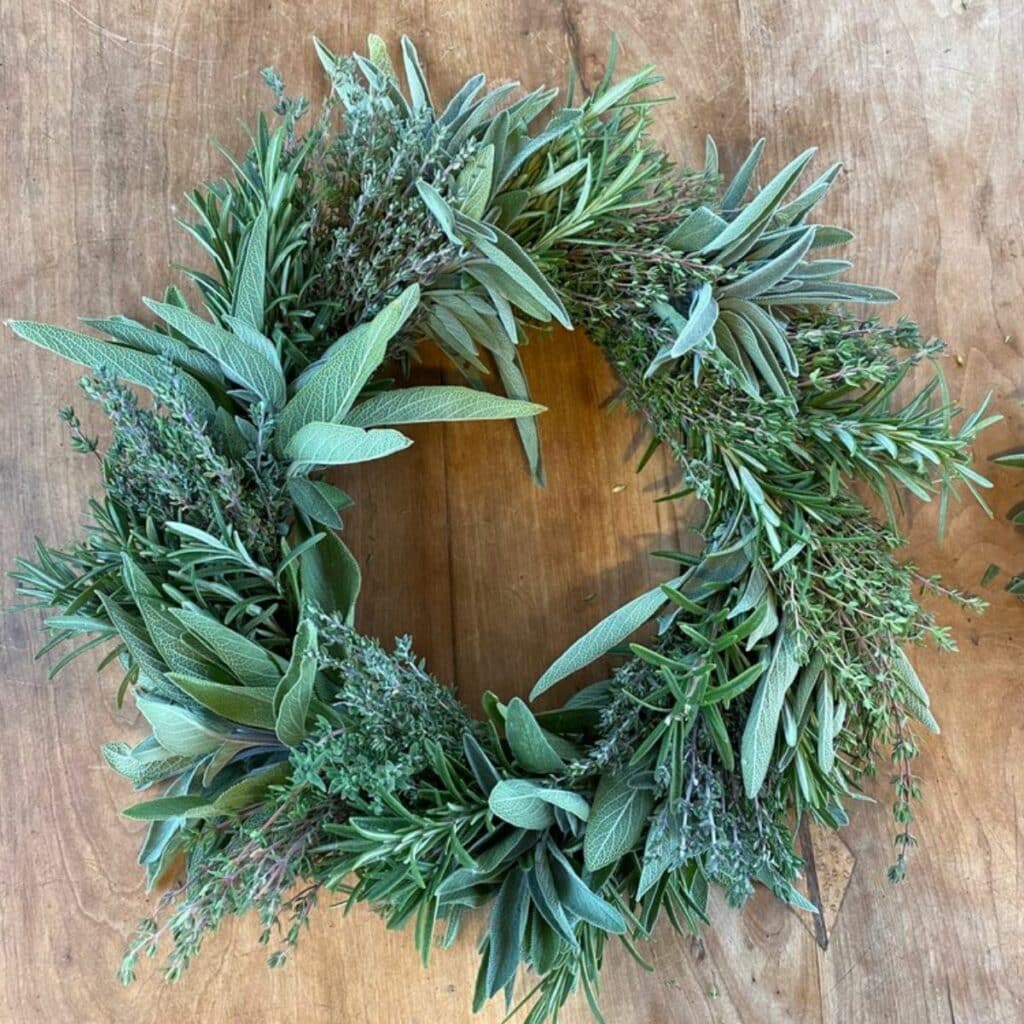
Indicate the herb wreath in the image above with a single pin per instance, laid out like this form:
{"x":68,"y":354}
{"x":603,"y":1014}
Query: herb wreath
{"x":294,"y":756}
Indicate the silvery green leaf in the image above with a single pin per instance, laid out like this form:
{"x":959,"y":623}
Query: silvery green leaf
{"x":763,"y":719}
{"x":480,"y":764}
{"x":246,"y":705}
{"x":822,"y":269}
{"x":761,"y":207}
{"x":794,"y":212}
{"x":145,"y":339}
{"x":565,"y":799}
{"x":518,"y":801}
{"x":474,"y":182}
{"x":509,"y":256}
{"x":166,"y":807}
{"x":710,"y":156}
{"x":826,"y":747}
{"x":337,"y":444}
{"x":513,"y":379}
{"x":143,"y":767}
{"x":530,"y":745}
{"x":250,"y":790}
{"x":691,"y":332}
{"x":697,"y":230}
{"x":178,"y":730}
{"x":733,"y":195}
{"x":330,"y":576}
{"x":419,"y":93}
{"x":760,"y":354}
{"x":768,"y":328}
{"x":135,"y":367}
{"x":611,"y":630}
{"x":506,"y":929}
{"x":294,"y":693}
{"x":617,"y":819}
{"x":576,"y":896}
{"x":247,"y":661}
{"x":439,"y":209}
{"x":249,"y":285}
{"x":826,"y":236}
{"x":440,"y":403}
{"x":319,"y":500}
{"x":818,"y":293}
{"x":378,"y":50}
{"x":243,"y":361}
{"x":462,"y":102}
{"x":334,"y":384}
{"x":771,"y":273}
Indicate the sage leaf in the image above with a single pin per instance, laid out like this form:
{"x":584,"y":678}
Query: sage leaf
{"x":294,"y":693}
{"x":617,"y":819}
{"x":249,"y":285}
{"x":506,"y":930}
{"x":437,"y":404}
{"x":135,"y":367}
{"x":611,"y":630}
{"x":519,"y":802}
{"x":247,"y":661}
{"x":244,"y":359}
{"x":247,"y":705}
{"x":763,"y":719}
{"x":530,"y":745}
{"x":332,"y":387}
{"x":178,"y":730}
{"x":336,"y":444}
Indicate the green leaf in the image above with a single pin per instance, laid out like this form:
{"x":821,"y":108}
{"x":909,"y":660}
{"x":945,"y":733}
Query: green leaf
{"x":165,"y":807}
{"x":617,"y":819}
{"x":247,"y":661}
{"x":763,"y":719}
{"x":578,"y":897}
{"x":826,"y":747}
{"x":530,"y":745}
{"x":246,"y":705}
{"x":319,"y":500}
{"x":609,"y":632}
{"x":165,"y":631}
{"x":247,"y":358}
{"x":518,"y":801}
{"x":249,"y":285}
{"x":696,"y":231}
{"x":135,"y":367}
{"x":145,"y":764}
{"x":437,"y":404}
{"x":294,"y":692}
{"x":252,"y":789}
{"x":480,"y":764}
{"x":331,"y":389}
{"x":772,"y":272}
{"x":178,"y":730}
{"x":691,"y":332}
{"x":506,"y":930}
{"x":474,"y":182}
{"x":336,"y":444}
{"x":761,"y":206}
{"x":574,"y":803}
{"x":378,"y":50}
{"x":145,"y":339}
{"x":330,"y":576}
{"x":737,"y":189}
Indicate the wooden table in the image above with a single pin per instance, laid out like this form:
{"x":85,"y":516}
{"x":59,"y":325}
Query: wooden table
{"x":106,"y":109}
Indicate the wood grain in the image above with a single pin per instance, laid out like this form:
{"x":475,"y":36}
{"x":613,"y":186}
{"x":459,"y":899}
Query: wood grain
{"x":105,"y":111}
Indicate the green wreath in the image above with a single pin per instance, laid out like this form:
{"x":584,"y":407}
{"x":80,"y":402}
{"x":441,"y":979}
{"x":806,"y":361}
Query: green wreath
{"x":293,"y":756}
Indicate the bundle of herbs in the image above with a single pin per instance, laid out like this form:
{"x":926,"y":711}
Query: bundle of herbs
{"x":290,"y":756}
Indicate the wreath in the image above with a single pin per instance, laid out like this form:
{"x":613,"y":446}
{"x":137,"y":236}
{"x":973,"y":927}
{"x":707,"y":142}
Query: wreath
{"x":292,"y":756}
